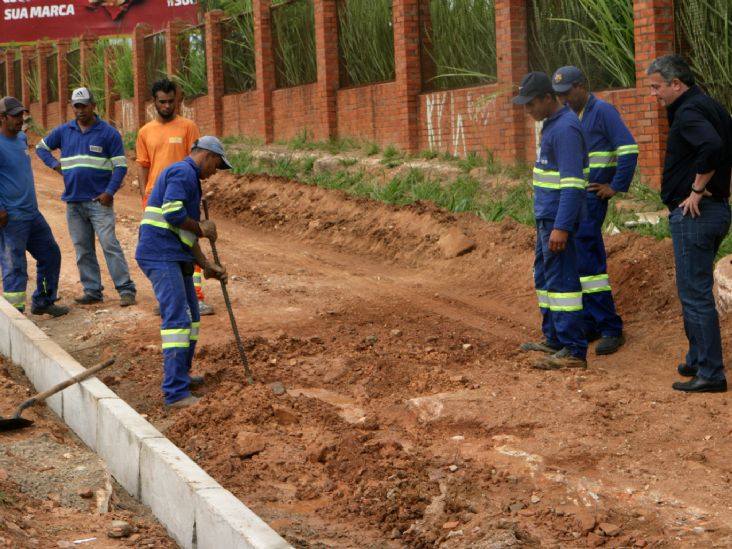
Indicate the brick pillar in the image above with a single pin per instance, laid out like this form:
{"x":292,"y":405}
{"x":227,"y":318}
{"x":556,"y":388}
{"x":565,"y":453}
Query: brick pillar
{"x":512,"y":56}
{"x":86,"y":51}
{"x":326,"y":51}
{"x":407,"y":66}
{"x":138,"y":66}
{"x":110,"y":96}
{"x":215,"y":68}
{"x":654,"y":37}
{"x":44,"y":49}
{"x":265,"y":65}
{"x":26,"y":54}
{"x":171,"y":32}
{"x":62,"y":48}
{"x":9,"y":73}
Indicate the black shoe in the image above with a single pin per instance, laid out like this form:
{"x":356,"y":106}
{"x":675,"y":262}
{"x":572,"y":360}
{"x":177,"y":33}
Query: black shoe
{"x":592,"y":336}
{"x":87,"y":299}
{"x":53,"y":310}
{"x":701,"y":385}
{"x":686,"y":370}
{"x":196,"y":381}
{"x":610,"y":344}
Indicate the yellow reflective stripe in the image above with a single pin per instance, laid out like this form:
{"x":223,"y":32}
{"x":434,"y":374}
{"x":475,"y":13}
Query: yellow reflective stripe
{"x":172,"y":206}
{"x":176,"y":338}
{"x":118,"y":161}
{"x":86,"y":161}
{"x":16,"y":299}
{"x":195,"y":329}
{"x":627,"y":149}
{"x":197,"y":279}
{"x":42,"y":145}
{"x":154,"y":216}
{"x":573,"y":182}
{"x":565,"y":301}
{"x":543,"y":299}
{"x":595,"y":283}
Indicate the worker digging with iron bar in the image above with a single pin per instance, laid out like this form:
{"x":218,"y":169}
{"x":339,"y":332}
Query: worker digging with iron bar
{"x":559,"y":181}
{"x":167,"y":251}
{"x":613,"y":155}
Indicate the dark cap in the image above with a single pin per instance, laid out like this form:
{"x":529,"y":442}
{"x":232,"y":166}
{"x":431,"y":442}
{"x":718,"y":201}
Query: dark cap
{"x":532,"y":85}
{"x":565,"y":77}
{"x":10,"y":105}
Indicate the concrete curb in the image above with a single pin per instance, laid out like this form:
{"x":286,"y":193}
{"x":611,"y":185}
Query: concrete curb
{"x":197,"y":512}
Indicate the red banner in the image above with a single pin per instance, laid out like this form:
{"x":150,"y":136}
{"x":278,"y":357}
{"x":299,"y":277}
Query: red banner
{"x":31,"y":20}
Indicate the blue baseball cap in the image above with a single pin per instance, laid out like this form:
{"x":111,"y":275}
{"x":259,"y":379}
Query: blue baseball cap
{"x":211,"y":143}
{"x":565,"y":77}
{"x":532,"y":85}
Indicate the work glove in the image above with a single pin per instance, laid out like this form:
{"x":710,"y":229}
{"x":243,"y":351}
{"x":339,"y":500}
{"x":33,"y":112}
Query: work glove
{"x":214,"y":270}
{"x":208,"y":228}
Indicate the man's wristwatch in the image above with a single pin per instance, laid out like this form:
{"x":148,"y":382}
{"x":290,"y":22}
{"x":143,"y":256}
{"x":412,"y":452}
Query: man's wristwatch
{"x":697,"y":191}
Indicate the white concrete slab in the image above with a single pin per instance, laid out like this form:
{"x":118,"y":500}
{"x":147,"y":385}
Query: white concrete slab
{"x":169,"y":480}
{"x":81,"y":403}
{"x":222,"y":520}
{"x":120,"y":432}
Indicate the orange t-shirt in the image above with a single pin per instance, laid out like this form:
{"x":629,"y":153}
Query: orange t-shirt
{"x":160,"y":145}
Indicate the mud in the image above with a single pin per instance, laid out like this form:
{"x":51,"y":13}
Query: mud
{"x":410,"y":418}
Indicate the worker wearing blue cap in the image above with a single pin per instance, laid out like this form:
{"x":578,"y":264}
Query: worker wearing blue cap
{"x":168,"y":250}
{"x":613,"y":157}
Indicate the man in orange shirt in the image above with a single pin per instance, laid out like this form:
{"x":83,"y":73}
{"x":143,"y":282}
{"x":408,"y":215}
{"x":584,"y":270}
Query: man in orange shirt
{"x":162,"y":142}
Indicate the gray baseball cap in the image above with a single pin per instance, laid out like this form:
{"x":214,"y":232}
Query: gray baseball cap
{"x":211,"y":143}
{"x":82,"y":96}
{"x":565,"y":77}
{"x":10,"y":105}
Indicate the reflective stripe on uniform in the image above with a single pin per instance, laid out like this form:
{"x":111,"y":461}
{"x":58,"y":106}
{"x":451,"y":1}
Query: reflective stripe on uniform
{"x":174,"y":206}
{"x":119,"y":161}
{"x":548,"y":179}
{"x":195,"y":329}
{"x":572,"y":182}
{"x":154,"y":216}
{"x":197,"y":279}
{"x":543,"y":298}
{"x":86,"y":161}
{"x":565,"y":301}
{"x":627,"y":149}
{"x":596,"y":283}
{"x":16,"y":299}
{"x":176,"y":337}
{"x":609,"y":159}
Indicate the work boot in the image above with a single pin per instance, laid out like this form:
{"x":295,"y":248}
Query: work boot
{"x":196,"y":381}
{"x":609,"y":344}
{"x":190,"y":400}
{"x":545,"y":346}
{"x":204,"y":309}
{"x":53,"y":310}
{"x":125,"y":300}
{"x":87,"y":299}
{"x":560,"y":360}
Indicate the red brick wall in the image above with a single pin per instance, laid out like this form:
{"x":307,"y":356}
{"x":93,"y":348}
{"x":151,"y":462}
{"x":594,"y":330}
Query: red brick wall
{"x":367,"y":113}
{"x":294,"y":110}
{"x":199,"y":110}
{"x":241,"y":116}
{"x":52,"y":115}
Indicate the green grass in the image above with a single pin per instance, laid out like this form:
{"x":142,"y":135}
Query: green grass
{"x":129,"y":140}
{"x":191,"y":74}
{"x":303,"y":141}
{"x":293,"y":36}
{"x":371,"y":149}
{"x":366,"y":40}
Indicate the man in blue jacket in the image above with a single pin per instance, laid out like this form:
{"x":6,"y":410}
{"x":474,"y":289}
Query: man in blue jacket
{"x":22,"y":226}
{"x":613,"y":157}
{"x":93,"y":166}
{"x":696,"y":189}
{"x":559,"y":182}
{"x":167,"y":252}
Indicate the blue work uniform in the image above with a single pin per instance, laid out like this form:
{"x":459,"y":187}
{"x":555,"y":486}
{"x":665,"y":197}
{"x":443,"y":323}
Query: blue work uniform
{"x":613,"y":157}
{"x":164,"y":254}
{"x":26,"y":230}
{"x":559,"y":182}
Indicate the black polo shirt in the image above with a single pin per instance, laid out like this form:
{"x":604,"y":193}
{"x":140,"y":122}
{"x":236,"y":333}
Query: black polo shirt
{"x":699,"y":141}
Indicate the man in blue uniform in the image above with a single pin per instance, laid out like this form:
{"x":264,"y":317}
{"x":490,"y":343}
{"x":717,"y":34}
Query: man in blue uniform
{"x":559,"y":195}
{"x":22,"y":226}
{"x":167,"y":252}
{"x":696,"y":188}
{"x":93,"y":166}
{"x":613,"y":157}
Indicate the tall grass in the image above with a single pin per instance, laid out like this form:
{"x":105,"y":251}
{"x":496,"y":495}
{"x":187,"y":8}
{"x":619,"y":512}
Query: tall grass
{"x":33,"y":77}
{"x":463,"y":37}
{"x":73,"y":68}
{"x":704,"y":37}
{"x":192,"y":75}
{"x":366,"y":40}
{"x":51,"y":62}
{"x":594,"y":35}
{"x":121,"y":69}
{"x":155,"y":63}
{"x":240,"y":72}
{"x":293,"y":34}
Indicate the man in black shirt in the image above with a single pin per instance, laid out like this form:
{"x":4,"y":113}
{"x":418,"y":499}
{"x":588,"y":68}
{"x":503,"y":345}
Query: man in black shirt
{"x":696,"y":189}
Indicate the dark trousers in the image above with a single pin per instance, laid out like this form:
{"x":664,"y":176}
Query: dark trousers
{"x":696,"y":241}
{"x":597,"y":298}
{"x":559,"y":292}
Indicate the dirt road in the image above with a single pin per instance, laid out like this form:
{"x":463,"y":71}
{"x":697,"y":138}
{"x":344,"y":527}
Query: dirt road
{"x":410,"y":418}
